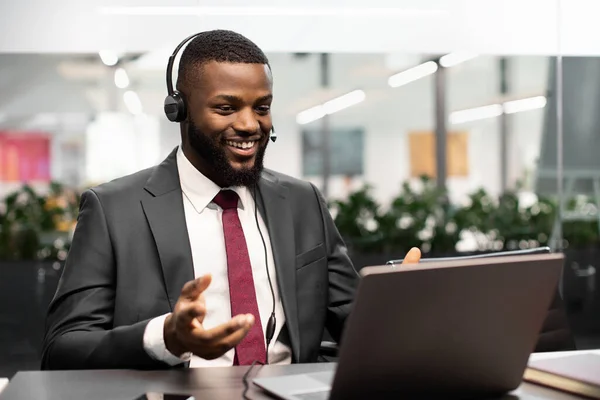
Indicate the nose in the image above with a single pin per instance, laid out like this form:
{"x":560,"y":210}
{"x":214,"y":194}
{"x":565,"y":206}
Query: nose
{"x":246,"y":122}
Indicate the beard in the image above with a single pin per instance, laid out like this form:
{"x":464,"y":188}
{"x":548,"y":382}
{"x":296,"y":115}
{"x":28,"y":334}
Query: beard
{"x":213,"y":152}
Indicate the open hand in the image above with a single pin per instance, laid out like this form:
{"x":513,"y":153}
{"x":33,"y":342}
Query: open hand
{"x":183,"y":330}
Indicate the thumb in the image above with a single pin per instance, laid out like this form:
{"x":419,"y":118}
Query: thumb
{"x":193,"y":289}
{"x":413,"y":256}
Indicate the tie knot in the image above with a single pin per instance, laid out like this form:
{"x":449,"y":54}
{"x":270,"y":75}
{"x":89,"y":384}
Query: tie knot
{"x":226,"y":199}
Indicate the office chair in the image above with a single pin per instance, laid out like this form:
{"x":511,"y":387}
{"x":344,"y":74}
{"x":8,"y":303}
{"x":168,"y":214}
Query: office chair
{"x":328,"y":350}
{"x":555,"y":334}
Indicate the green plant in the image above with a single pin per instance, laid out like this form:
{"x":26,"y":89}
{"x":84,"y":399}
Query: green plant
{"x":418,"y":218}
{"x":581,"y":233}
{"x":541,"y":216}
{"x":447,"y":229}
{"x":425,"y":218}
{"x":356,"y":219}
{"x":512,"y":222}
{"x":32,"y":226}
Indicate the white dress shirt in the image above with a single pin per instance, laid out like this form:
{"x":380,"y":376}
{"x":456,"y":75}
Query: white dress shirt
{"x":205,"y":230}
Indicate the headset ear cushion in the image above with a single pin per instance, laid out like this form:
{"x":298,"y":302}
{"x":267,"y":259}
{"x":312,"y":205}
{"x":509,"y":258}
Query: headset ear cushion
{"x":174,"y":107}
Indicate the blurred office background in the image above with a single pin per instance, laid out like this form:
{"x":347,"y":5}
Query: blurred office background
{"x":457,"y":126}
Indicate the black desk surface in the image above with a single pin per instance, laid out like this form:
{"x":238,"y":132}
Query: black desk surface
{"x":209,"y":383}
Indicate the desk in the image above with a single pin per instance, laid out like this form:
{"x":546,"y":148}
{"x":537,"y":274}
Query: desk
{"x":209,"y":383}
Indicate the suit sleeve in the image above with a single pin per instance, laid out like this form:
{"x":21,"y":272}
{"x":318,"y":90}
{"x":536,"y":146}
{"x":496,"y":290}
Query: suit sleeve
{"x":79,"y":325}
{"x":343,"y":278}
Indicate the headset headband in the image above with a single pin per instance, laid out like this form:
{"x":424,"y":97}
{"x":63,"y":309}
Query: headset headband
{"x":172,"y":61}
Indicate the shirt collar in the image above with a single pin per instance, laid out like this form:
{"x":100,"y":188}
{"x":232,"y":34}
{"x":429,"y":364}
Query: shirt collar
{"x":200,"y":190}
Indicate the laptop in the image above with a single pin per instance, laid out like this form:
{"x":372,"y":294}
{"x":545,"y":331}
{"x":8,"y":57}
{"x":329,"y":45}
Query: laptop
{"x":520,"y":252}
{"x":458,"y":329}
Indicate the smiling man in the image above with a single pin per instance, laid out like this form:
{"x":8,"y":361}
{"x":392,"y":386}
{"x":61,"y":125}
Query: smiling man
{"x":207,"y":259}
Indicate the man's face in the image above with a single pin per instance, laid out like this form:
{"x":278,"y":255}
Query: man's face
{"x":230,"y":120}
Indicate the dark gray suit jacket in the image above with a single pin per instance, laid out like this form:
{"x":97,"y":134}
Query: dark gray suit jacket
{"x":131,"y":256}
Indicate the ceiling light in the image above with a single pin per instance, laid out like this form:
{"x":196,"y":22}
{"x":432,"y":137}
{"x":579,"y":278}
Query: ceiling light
{"x":412,"y":74}
{"x":269,"y":11}
{"x":494,"y":110}
{"x":330,"y":107}
{"x":532,"y":103}
{"x":475,"y":114}
{"x":108,"y":57}
{"x":121,"y":78}
{"x":133,"y":102}
{"x":310,"y":115}
{"x":345,"y":101}
{"x":452,"y":59}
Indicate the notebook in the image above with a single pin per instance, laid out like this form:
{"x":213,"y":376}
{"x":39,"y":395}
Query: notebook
{"x":577,"y":374}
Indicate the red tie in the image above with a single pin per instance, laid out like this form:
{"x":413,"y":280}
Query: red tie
{"x":241,"y":283}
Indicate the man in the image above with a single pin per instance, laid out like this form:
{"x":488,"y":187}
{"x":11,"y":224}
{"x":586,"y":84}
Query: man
{"x":205,"y":259}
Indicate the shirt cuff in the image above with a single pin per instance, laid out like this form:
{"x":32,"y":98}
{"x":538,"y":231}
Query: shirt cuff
{"x":154,"y":343}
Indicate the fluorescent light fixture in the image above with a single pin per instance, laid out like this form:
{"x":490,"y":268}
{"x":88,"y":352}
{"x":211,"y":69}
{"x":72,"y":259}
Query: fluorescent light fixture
{"x":345,"y":101}
{"x":268,"y":11}
{"x":495,"y":110}
{"x":452,"y":59}
{"x":121,"y":78}
{"x":310,"y":115}
{"x":412,"y":74}
{"x":330,"y":107}
{"x":108,"y":57}
{"x":133,"y":102}
{"x":532,"y":103}
{"x":475,"y":114}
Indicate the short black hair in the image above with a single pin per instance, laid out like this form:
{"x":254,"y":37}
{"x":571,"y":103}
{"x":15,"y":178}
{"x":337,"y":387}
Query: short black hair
{"x":216,"y":45}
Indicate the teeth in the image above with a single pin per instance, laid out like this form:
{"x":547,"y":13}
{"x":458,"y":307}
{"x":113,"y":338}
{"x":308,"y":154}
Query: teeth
{"x":240,"y":145}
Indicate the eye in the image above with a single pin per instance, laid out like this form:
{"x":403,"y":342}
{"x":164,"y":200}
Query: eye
{"x":225,"y":108}
{"x":263,"y":109}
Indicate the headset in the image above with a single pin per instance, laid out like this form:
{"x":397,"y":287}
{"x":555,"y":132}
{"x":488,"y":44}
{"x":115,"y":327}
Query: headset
{"x":176,"y":111}
{"x":174,"y":105}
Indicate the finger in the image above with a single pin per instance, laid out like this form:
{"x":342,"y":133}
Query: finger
{"x":229,"y":342}
{"x":215,"y":349}
{"x":199,"y":319}
{"x":239,"y":324}
{"x":189,"y":313}
{"x":192,"y":289}
{"x":413,"y":256}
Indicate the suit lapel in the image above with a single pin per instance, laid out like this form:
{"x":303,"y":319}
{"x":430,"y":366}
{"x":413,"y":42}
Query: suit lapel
{"x":275,"y":209}
{"x":165,"y":215}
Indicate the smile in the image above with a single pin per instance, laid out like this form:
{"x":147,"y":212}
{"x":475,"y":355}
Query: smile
{"x":242,"y":150}
{"x":241,"y":145}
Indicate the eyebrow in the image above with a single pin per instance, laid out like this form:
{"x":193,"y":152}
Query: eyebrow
{"x":236,"y":99}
